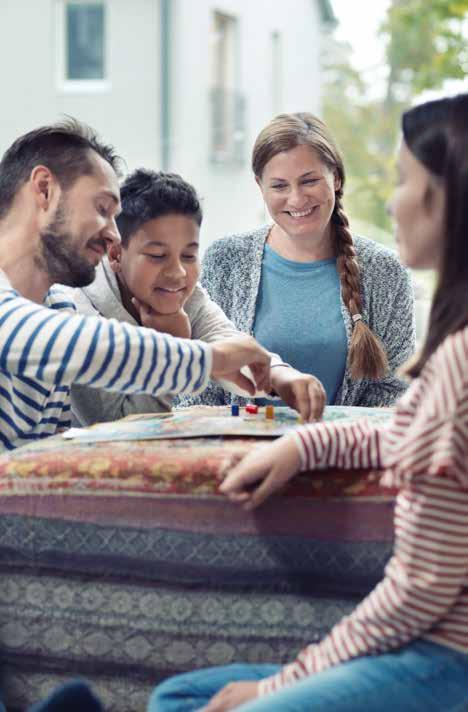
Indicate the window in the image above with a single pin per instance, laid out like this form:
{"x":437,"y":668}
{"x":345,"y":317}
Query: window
{"x":82,"y":45}
{"x":85,"y":40}
{"x":227,"y":103}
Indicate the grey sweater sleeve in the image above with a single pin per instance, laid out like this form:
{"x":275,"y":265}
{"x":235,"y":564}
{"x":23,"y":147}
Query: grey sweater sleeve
{"x":390,"y":312}
{"x":92,"y":405}
{"x":399,"y":338}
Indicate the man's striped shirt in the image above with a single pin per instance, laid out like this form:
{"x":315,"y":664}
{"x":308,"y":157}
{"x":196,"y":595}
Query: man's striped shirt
{"x":424,"y":452}
{"x":44,"y":349}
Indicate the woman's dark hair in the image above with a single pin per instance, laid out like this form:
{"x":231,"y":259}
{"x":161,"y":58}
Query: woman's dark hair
{"x":146,"y":195}
{"x":367,"y":358}
{"x":436,"y":133}
{"x":64,"y":148}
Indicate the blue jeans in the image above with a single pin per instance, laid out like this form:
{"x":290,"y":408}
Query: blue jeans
{"x":420,"y":677}
{"x":74,"y":696}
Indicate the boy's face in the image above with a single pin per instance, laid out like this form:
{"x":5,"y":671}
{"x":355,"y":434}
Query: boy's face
{"x":160,"y":264}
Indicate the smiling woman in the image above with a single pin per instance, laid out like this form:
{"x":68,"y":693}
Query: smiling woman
{"x":331,"y":304}
{"x":299,"y":191}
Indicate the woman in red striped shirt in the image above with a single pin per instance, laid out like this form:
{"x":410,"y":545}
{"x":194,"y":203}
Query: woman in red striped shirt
{"x":406,"y":644}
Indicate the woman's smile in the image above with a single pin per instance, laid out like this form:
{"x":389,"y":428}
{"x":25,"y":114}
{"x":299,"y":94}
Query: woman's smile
{"x":300,"y":214}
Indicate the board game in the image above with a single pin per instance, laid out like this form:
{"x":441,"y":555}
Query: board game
{"x":209,"y":421}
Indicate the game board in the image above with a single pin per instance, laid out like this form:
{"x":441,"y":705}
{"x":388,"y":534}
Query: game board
{"x":206,"y":421}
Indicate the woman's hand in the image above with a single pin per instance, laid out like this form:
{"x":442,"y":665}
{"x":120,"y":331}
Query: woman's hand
{"x":230,"y":355}
{"x":264,"y":471}
{"x":300,"y":391}
{"x":232,"y":696}
{"x":177,"y":324}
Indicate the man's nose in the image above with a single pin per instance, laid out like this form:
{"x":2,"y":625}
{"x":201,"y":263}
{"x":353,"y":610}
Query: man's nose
{"x":111,"y":233}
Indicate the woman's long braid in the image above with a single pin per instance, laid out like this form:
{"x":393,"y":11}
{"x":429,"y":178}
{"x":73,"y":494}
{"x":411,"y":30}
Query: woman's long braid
{"x":367,"y":357}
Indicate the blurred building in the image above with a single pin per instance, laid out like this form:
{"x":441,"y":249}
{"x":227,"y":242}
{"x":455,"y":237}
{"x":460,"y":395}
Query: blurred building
{"x":180,"y":85}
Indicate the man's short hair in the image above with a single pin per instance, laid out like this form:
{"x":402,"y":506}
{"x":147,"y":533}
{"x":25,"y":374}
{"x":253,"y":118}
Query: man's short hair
{"x":146,"y":195}
{"x":64,"y":148}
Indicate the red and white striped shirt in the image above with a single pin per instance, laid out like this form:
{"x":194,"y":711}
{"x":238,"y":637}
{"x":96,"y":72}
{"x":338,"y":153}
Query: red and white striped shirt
{"x":424,"y":452}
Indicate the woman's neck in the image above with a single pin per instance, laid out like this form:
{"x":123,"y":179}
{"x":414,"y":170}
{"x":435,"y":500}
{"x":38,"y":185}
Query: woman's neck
{"x":303,"y":248}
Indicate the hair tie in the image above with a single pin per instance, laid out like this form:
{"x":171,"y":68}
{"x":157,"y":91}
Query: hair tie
{"x":356,"y":318}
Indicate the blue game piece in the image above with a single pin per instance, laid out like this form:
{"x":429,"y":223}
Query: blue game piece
{"x":234,"y":410}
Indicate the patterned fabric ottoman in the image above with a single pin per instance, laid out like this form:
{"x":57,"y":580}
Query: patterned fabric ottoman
{"x":120,"y":563}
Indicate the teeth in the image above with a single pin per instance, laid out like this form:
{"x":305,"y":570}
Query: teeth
{"x":301,"y":214}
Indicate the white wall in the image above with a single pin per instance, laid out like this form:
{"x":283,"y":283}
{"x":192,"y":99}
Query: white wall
{"x":231,"y":198}
{"x":128,"y":112}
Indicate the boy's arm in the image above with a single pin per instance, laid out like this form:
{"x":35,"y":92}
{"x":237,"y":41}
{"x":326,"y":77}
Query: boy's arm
{"x":91,"y":405}
{"x":208,"y":323}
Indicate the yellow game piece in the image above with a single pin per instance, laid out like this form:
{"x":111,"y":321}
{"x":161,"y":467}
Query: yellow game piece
{"x":270,"y":412}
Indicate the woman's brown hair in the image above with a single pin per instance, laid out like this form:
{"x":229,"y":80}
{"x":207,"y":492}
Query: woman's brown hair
{"x":366,"y":358}
{"x":436,"y":133}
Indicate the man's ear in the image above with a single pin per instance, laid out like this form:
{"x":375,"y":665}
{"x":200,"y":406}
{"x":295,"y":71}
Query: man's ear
{"x":114,"y":253}
{"x":45,"y":188}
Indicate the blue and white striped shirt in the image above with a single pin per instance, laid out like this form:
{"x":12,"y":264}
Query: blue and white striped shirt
{"x":44,"y":350}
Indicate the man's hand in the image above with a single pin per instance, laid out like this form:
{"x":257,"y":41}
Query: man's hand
{"x":232,"y":696}
{"x":177,"y":324}
{"x":230,"y":355}
{"x":300,"y":391}
{"x":262,"y":472}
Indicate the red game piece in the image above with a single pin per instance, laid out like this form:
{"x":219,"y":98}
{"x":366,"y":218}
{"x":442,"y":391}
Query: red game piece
{"x":251,"y":408}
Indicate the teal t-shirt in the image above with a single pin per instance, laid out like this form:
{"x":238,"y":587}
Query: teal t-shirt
{"x":298,"y":316}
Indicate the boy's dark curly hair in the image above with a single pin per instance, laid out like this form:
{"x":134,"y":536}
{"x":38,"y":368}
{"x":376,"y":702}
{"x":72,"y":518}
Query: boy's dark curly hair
{"x":146,"y":195}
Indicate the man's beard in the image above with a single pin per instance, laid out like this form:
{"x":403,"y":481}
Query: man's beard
{"x":59,"y":255}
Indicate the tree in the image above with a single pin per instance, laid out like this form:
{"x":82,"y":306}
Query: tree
{"x":426,"y":44}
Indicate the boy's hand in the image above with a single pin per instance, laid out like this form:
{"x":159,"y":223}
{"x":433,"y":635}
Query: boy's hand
{"x":177,"y":324}
{"x":300,"y":391}
{"x":230,"y":355}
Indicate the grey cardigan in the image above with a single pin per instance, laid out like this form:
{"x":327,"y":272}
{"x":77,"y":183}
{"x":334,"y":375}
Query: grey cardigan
{"x":231,"y":273}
